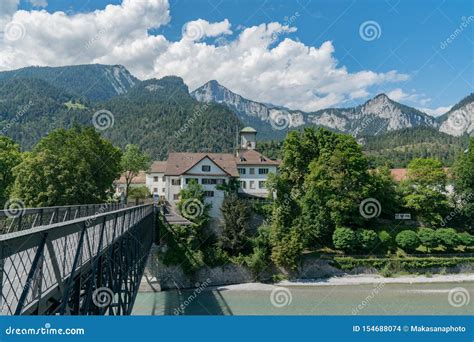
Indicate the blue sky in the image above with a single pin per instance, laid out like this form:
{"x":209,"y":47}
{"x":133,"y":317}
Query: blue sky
{"x":411,"y":38}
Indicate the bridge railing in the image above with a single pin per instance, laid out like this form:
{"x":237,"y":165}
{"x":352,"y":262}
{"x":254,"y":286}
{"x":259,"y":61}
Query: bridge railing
{"x":56,"y":269}
{"x":26,"y":218}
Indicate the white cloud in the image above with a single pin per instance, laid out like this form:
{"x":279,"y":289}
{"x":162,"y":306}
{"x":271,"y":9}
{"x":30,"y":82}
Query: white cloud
{"x":199,"y":29}
{"x":436,"y":111}
{"x":261,"y":63}
{"x":420,"y":99}
{"x":399,"y":95}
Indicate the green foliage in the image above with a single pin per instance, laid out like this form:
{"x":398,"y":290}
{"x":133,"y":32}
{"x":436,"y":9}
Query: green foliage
{"x":407,"y":240}
{"x":287,"y":251}
{"x":74,"y":166}
{"x":399,"y":147}
{"x":236,"y":216}
{"x":399,"y":264}
{"x":367,"y":240}
{"x":424,"y":191}
{"x":183,"y":247}
{"x":464,"y":185}
{"x":95,"y":81}
{"x":10,"y":156}
{"x":231,"y":187}
{"x":344,"y":239}
{"x":157,"y":115}
{"x":466,"y":239}
{"x":428,"y":238}
{"x":272,"y":149}
{"x":139,"y":192}
{"x":385,"y":190}
{"x":448,"y":237}
{"x":133,"y":161}
{"x":386,"y":240}
{"x":192,"y":204}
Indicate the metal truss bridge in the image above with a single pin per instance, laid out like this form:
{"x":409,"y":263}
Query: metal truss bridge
{"x":75,"y":260}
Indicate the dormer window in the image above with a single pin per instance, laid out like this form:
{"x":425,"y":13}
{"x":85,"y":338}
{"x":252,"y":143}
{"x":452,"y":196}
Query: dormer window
{"x":206,"y":168}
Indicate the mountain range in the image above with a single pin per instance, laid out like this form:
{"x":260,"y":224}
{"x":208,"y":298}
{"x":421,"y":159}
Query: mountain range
{"x":377,"y":116}
{"x":163,"y":115}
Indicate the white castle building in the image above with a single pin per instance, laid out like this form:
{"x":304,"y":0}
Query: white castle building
{"x":251,"y":168}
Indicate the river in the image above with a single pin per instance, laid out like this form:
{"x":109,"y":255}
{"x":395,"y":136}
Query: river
{"x":367,"y":299}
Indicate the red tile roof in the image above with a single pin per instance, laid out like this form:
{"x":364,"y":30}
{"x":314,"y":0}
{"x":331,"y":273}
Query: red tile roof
{"x":179,"y":163}
{"x":252,"y":157}
{"x":158,"y":166}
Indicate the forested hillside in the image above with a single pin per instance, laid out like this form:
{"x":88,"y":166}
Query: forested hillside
{"x":158,"y":115}
{"x":91,"y":81}
{"x":399,"y":147}
{"x":161,"y":116}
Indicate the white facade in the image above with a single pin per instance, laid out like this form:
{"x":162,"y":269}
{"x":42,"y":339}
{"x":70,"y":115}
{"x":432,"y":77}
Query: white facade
{"x":167,"y":179}
{"x":253,"y":177}
{"x":156,"y":183}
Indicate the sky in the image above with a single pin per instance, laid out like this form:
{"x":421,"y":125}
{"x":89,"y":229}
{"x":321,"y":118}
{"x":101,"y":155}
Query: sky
{"x":303,"y":54}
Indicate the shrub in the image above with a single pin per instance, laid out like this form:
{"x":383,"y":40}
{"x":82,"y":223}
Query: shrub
{"x":287,"y":251}
{"x":428,"y":237}
{"x":448,"y":237}
{"x":385,"y":239}
{"x":344,"y":239}
{"x":367,"y":239}
{"x":407,"y":240}
{"x":139,"y":192}
{"x":257,"y":261}
{"x":466,"y":239}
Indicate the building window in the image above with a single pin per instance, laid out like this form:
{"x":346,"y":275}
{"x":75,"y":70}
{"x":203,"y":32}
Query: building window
{"x":262,"y":171}
{"x":163,"y":179}
{"x":261,"y":184}
{"x":163,"y":190}
{"x":155,"y":190}
{"x":155,"y":179}
{"x":176,"y":197}
{"x":191,"y":179}
{"x":241,"y":170}
{"x":206,"y":168}
{"x":252,"y":171}
{"x":213,"y":181}
{"x":252,"y":184}
{"x":176,"y":182}
{"x":208,"y":193}
{"x":243,"y":184}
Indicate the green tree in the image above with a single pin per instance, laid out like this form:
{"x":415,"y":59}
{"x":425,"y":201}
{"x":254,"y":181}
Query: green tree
{"x":75,"y":166}
{"x":428,"y":238}
{"x":192,"y":204}
{"x":236,"y":216}
{"x":10,"y":156}
{"x":287,"y":251}
{"x":407,"y":240}
{"x":464,"y":185}
{"x":337,"y":183}
{"x":139,"y":192}
{"x":424,"y":190}
{"x":448,"y":237}
{"x":466,"y":239}
{"x":344,"y":239}
{"x":367,"y":240}
{"x":133,"y":161}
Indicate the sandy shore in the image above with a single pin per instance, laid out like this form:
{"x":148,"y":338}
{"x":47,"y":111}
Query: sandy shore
{"x":352,"y":280}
